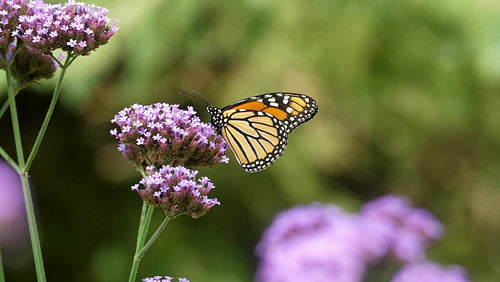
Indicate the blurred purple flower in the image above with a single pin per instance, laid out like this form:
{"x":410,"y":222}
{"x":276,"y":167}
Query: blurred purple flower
{"x":73,"y":27}
{"x":163,"y":134}
{"x":176,"y":190}
{"x":322,"y":243}
{"x":310,"y":243}
{"x":398,"y":228}
{"x":430,"y":272}
{"x":12,"y":212}
{"x":163,"y":279}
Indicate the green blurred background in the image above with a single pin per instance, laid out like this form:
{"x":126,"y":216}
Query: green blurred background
{"x":408,"y":95}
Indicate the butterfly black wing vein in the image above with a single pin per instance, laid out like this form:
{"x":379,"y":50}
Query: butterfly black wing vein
{"x":256,"y":128}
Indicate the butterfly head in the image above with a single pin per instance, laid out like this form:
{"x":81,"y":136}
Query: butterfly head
{"x":217,"y":119}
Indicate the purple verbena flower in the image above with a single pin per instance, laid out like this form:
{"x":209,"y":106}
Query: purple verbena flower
{"x":73,"y":27}
{"x":163,"y":279}
{"x":322,"y":243}
{"x":176,"y":190}
{"x":164,"y":134}
{"x":311,"y":243}
{"x":394,"y":226}
{"x":10,"y":10}
{"x":158,"y":279}
{"x":430,"y":272}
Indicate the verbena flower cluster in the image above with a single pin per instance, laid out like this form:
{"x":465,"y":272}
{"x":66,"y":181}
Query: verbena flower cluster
{"x":163,"y":279}
{"x":10,"y":10}
{"x":322,"y":243}
{"x":163,"y":140}
{"x":73,"y":27}
{"x":31,"y":30}
{"x":176,"y":190}
{"x":163,"y":134}
{"x":31,"y":65}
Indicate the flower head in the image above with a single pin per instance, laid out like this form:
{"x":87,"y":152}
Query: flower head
{"x":163,"y":279}
{"x":31,"y":65}
{"x":310,"y":243}
{"x":399,"y":228}
{"x":164,"y":134}
{"x":73,"y":27}
{"x":430,"y":272}
{"x":176,"y":190}
{"x":10,"y":10}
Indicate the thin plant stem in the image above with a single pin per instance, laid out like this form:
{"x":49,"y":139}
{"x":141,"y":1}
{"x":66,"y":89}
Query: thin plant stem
{"x":11,"y":92}
{"x":154,"y":237}
{"x":2,"y":275}
{"x":35,"y":241}
{"x":9,"y":159}
{"x":146,"y":215}
{"x":50,"y":111}
{"x":4,"y":108}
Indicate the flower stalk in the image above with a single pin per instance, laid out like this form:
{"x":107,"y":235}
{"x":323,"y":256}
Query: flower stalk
{"x":11,"y":92}
{"x":142,"y":248}
{"x":2,"y":275}
{"x":146,"y":215}
{"x":35,"y":240}
{"x":21,"y":169}
{"x":50,"y":111}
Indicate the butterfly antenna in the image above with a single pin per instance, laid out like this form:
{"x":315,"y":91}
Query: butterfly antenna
{"x":198,"y":96}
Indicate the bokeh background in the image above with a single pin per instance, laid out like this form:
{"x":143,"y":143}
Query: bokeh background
{"x":408,"y":94}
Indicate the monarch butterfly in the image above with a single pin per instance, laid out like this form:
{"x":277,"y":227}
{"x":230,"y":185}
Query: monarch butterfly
{"x":256,"y":128}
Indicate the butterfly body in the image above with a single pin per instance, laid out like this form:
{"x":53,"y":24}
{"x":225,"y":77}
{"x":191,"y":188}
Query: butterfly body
{"x":256,"y":129}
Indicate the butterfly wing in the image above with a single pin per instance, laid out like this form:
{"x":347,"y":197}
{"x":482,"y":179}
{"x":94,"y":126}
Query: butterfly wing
{"x":291,"y":108}
{"x":256,"y":128}
{"x":256,"y":138}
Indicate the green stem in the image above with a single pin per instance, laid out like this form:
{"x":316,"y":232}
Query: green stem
{"x":146,"y":215}
{"x":11,"y":92}
{"x":4,"y":108}
{"x":9,"y":159}
{"x":50,"y":111}
{"x":2,"y":275}
{"x":23,"y":167}
{"x":154,"y":237}
{"x":35,"y":241}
